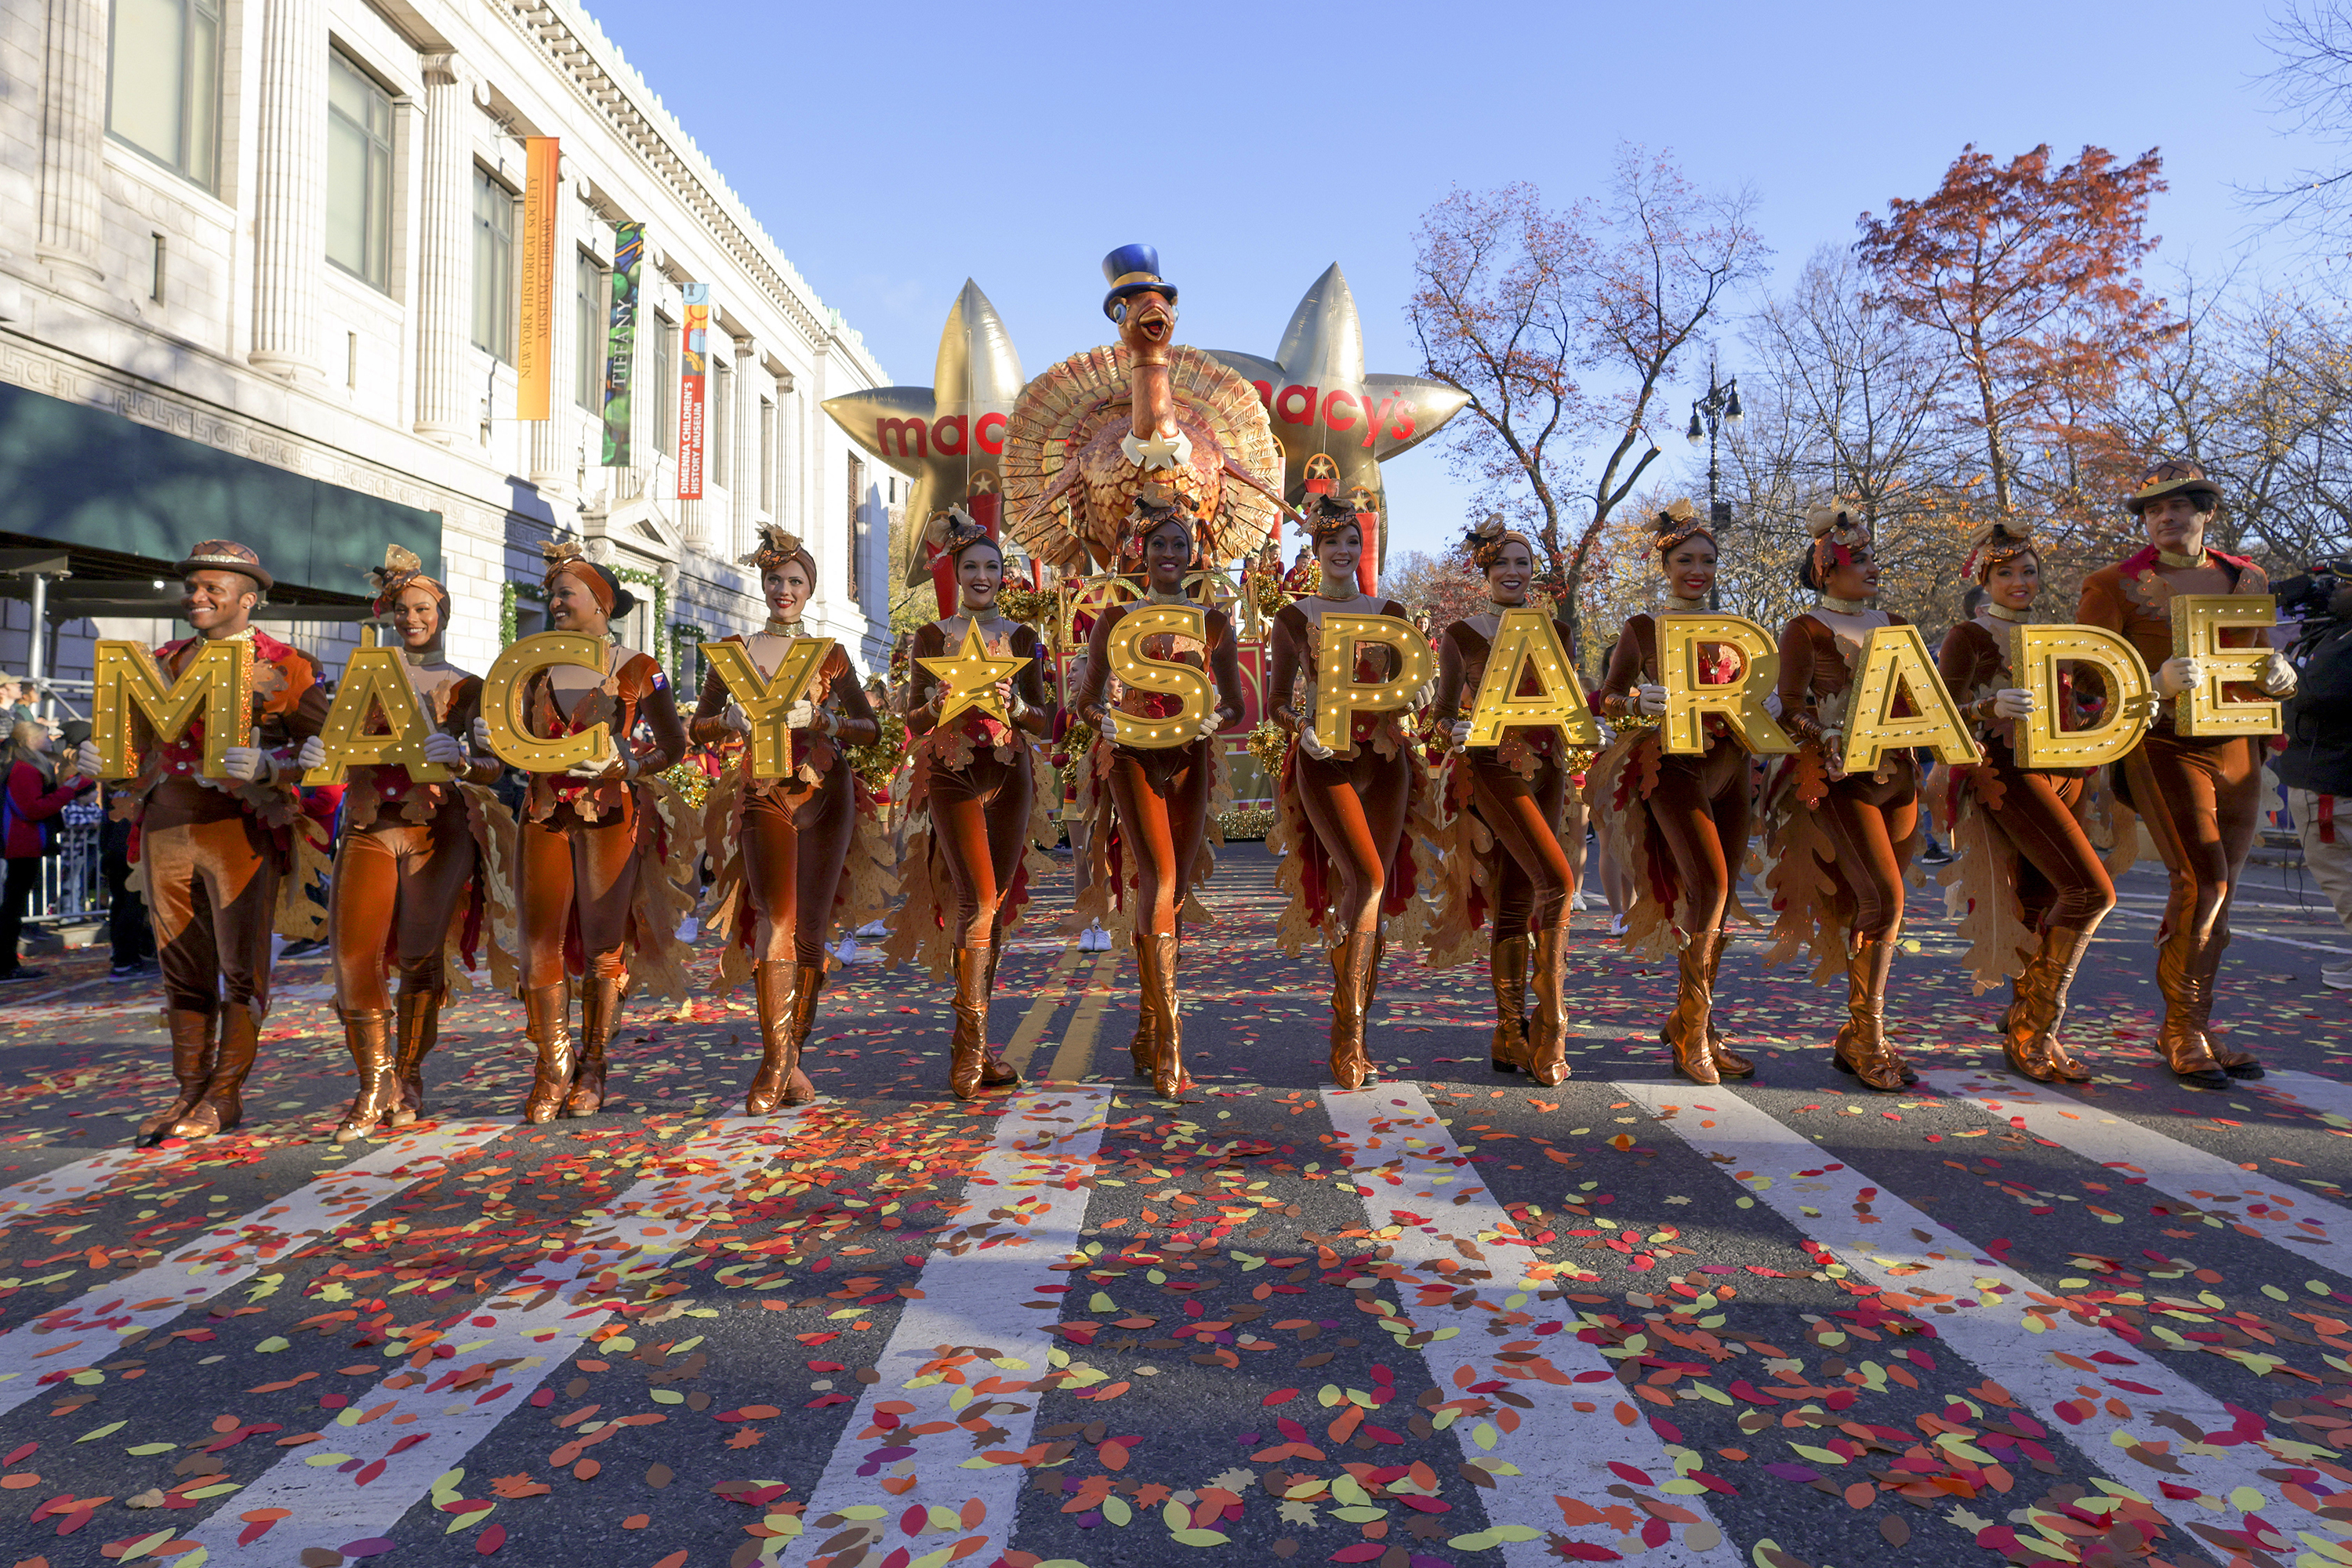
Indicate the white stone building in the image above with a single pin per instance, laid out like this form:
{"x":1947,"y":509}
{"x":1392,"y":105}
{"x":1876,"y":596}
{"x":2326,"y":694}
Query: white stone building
{"x":259,"y":279}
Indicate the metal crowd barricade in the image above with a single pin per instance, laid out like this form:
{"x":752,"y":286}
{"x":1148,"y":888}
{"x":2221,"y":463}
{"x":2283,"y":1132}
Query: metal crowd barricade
{"x":72,"y":887}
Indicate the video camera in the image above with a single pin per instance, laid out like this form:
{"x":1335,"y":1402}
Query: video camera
{"x":2308,"y":594}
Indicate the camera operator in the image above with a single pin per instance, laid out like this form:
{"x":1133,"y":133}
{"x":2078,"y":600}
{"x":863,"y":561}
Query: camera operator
{"x":2316,"y":764}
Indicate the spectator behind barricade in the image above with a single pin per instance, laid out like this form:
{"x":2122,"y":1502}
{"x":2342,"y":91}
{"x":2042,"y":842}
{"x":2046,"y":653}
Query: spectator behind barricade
{"x":28,"y":830}
{"x":129,"y":936}
{"x":17,"y":703}
{"x":2316,"y":764}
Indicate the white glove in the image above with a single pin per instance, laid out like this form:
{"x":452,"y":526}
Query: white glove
{"x":246,"y":763}
{"x":1109,"y":728}
{"x":313,"y":753}
{"x":85,"y":758}
{"x":1312,"y":744}
{"x":1650,"y":701}
{"x":2012,"y":702}
{"x":2278,"y":676}
{"x":801,"y":715}
{"x":2175,"y":676}
{"x":593,"y":768}
{"x":446,"y":750}
{"x":735,"y":719}
{"x":1211,"y":723}
{"x":482,"y":736}
{"x":1460,"y":733}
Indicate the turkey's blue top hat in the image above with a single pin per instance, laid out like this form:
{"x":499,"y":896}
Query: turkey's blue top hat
{"x":1131,"y":268}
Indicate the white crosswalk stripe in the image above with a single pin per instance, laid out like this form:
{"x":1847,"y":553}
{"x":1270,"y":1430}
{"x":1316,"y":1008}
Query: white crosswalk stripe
{"x":225,"y":1255}
{"x":2325,"y":1096}
{"x":1569,"y":1437}
{"x":1030,"y":1180}
{"x":1871,"y":1232}
{"x":2221,"y":1191}
{"x":361,"y":1486}
{"x":72,"y":1184}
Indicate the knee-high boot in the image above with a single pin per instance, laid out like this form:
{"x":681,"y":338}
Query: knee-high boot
{"x":1143,"y":1050}
{"x":2041,"y":1006}
{"x":2238,"y":1064}
{"x":600,"y":1013}
{"x":1728,"y":1063}
{"x":1548,"y":1032}
{"x":547,"y":1011}
{"x":192,"y":1062}
{"x":971,"y":1066}
{"x":369,"y":1035}
{"x":1351,"y":963}
{"x":808,"y":984}
{"x":1862,"y":1049}
{"x":1686,"y":1029}
{"x":1156,"y":959}
{"x":222,"y":1106}
{"x":995,"y":1073}
{"x":416,"y":1032}
{"x":1506,"y":972}
{"x":772,"y":984}
{"x":2180,"y":1040}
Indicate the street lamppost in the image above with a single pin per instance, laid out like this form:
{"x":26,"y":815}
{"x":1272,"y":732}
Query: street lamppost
{"x":1720,"y":407}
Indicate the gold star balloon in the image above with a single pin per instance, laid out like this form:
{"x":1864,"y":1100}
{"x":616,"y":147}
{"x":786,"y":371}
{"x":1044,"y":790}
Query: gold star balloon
{"x":971,"y":673}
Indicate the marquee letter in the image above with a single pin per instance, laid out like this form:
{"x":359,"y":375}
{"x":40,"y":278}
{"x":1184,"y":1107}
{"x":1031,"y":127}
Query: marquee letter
{"x":2198,"y":622}
{"x":2034,"y":655}
{"x":765,"y":701}
{"x":1740,"y":704}
{"x":1524,"y":640}
{"x":1339,"y":696}
{"x":502,"y":690}
{"x":1189,"y":687}
{"x":373,"y":680}
{"x":1893,"y":661}
{"x":217,"y":687}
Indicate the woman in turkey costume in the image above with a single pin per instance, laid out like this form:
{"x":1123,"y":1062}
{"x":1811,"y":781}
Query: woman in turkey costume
{"x":604,"y":855}
{"x":2031,"y":887}
{"x":797,"y":854}
{"x":1346,"y":855}
{"x":974,"y":808}
{"x":1152,"y":460}
{"x":1678,"y":825}
{"x":1839,"y":845}
{"x":421,"y":874}
{"x":1512,"y":853}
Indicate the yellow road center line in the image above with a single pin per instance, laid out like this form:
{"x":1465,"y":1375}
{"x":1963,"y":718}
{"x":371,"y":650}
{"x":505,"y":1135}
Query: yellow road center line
{"x":1074,"y":1060}
{"x":1041,"y":1011}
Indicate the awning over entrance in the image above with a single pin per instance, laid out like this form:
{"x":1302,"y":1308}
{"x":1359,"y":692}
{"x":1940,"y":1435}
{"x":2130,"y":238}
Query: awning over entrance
{"x":138,"y":497}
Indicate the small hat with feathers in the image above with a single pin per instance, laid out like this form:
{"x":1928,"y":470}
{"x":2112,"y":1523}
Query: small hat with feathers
{"x":1998,"y":541}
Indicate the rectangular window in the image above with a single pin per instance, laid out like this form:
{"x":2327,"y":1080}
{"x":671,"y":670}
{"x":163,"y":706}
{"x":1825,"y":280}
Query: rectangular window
{"x":856,"y":521}
{"x":162,"y":83}
{"x":359,"y":173}
{"x":494,"y":299}
{"x":767,"y":456}
{"x":665,"y":386}
{"x":588,"y":306}
{"x":156,"y":268}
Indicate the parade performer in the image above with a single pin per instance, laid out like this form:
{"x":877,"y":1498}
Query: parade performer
{"x":603,"y":857}
{"x":421,"y":870}
{"x":2201,"y":798}
{"x":976,"y":810}
{"x":1150,"y":459}
{"x":1677,"y":825}
{"x":223,"y":863}
{"x":1839,"y":846}
{"x":2032,"y":885}
{"x":1510,"y":855}
{"x":796,"y":854}
{"x":1345,"y":856}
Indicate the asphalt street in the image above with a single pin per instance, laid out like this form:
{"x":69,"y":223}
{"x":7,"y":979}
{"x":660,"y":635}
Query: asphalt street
{"x":1451,"y":1318}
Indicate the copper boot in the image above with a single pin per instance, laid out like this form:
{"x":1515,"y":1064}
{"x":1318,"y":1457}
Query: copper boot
{"x":968,"y":1048}
{"x":1547,"y":1029}
{"x":2238,"y":1064}
{"x":600,"y":1013}
{"x":1686,"y":1030}
{"x":772,"y":984}
{"x":1142,"y":1049}
{"x":995,"y":1073}
{"x":1862,"y":1049}
{"x":1157,"y":960}
{"x":369,"y":1035}
{"x":222,"y":1106}
{"x":2180,"y":1040}
{"x":2061,"y":952}
{"x":808,"y":984}
{"x":1728,"y":1063}
{"x":1507,"y":972}
{"x":192,"y":1063}
{"x":2023,"y":1034}
{"x":1351,"y":963}
{"x":547,"y":1011}
{"x":417,"y":1031}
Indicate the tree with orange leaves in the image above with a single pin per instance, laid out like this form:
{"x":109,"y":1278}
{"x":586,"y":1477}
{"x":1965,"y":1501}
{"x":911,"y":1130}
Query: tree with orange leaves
{"x":2032,"y":273}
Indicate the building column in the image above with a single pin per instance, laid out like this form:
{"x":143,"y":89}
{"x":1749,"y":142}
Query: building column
{"x":445,"y":259}
{"x":554,"y":455}
{"x":289,"y":222}
{"x":750,"y":375}
{"x":73,"y":130}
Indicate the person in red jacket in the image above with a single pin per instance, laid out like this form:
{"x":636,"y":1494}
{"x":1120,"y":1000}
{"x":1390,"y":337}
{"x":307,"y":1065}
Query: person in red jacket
{"x":35,"y":794}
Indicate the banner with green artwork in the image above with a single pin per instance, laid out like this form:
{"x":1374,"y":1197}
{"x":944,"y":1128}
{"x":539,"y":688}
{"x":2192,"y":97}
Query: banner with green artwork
{"x":621,"y":339}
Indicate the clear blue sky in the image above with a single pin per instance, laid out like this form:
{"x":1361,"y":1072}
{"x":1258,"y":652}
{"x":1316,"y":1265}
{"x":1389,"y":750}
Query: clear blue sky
{"x":895,"y":149}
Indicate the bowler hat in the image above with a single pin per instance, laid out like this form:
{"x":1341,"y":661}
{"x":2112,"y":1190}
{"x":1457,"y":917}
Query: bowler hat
{"x":227,"y":556}
{"x":2174,"y":475}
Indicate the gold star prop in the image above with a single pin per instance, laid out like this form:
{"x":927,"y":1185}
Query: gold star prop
{"x":971,"y":674}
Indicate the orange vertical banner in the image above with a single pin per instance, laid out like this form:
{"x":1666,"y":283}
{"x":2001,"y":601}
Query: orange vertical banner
{"x":535,"y":342}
